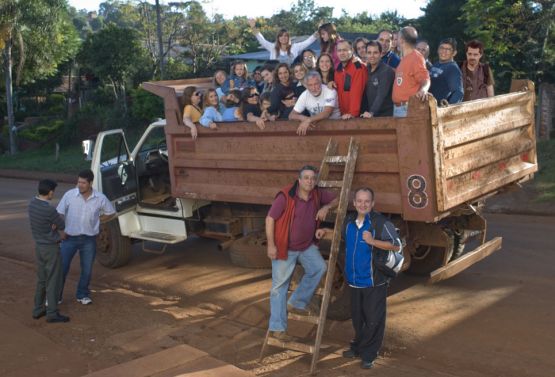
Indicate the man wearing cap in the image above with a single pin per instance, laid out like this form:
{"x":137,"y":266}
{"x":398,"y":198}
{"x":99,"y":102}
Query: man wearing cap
{"x":290,"y":228}
{"x":366,"y":234}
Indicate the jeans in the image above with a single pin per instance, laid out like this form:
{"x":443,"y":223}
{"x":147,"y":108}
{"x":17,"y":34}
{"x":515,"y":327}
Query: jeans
{"x":282,"y":271}
{"x":87,"y":251}
{"x":400,"y":111}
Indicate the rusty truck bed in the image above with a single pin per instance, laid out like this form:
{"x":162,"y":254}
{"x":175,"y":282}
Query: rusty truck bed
{"x":422,"y":167}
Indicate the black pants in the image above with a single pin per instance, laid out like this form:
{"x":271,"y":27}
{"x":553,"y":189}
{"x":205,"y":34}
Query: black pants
{"x":368,"y":307}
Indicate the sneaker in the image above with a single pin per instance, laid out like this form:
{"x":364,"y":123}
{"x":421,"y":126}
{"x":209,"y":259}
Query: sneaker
{"x":39,"y":315}
{"x":281,"y":335}
{"x":84,"y":300}
{"x":350,"y":354}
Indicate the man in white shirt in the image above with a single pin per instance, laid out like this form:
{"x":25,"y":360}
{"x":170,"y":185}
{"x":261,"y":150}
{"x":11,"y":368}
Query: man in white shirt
{"x":83,"y":209}
{"x":319,"y":100}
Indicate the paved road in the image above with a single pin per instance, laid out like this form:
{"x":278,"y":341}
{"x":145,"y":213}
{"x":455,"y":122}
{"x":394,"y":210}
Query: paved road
{"x":494,"y":319}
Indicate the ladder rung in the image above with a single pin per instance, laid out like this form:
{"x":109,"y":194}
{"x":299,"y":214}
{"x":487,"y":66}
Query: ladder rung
{"x":297,"y":346}
{"x":337,"y":184}
{"x":335,"y":159}
{"x":304,"y":318}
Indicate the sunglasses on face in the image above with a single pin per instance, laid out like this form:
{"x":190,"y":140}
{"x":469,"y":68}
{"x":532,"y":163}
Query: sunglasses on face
{"x":198,"y":94}
{"x":252,"y":95}
{"x":290,"y":97}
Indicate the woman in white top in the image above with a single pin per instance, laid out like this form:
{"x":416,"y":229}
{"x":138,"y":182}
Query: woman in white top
{"x":282,"y":50}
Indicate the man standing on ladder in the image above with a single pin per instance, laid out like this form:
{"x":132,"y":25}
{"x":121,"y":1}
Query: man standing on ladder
{"x":290,"y":227}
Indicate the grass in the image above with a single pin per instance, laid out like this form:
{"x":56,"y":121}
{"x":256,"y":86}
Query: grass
{"x":545,"y":178}
{"x":71,"y":160}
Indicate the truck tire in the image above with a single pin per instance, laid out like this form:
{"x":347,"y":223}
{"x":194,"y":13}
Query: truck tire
{"x":250,"y":251}
{"x":429,"y":258}
{"x":112,"y":249}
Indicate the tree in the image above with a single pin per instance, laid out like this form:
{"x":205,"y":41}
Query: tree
{"x":113,"y":54}
{"x":516,"y":36}
{"x":39,"y":35}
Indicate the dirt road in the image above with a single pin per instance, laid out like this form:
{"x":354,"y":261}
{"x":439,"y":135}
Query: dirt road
{"x":494,"y":319}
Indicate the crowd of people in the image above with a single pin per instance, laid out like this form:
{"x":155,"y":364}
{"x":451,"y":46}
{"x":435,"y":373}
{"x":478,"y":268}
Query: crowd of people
{"x":363,"y":78}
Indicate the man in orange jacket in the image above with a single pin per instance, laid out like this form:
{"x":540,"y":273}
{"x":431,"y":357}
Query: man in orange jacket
{"x":290,"y":227}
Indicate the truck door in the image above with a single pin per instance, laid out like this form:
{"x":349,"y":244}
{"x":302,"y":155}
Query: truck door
{"x":115,"y":170}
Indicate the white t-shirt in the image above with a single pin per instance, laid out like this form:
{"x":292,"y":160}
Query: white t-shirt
{"x":315,"y":105}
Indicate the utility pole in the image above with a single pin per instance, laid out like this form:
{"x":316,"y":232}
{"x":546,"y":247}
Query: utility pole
{"x":9,"y":94}
{"x":159,"y":32}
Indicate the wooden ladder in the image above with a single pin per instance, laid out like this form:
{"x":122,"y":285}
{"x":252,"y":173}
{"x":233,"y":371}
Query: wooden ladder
{"x":349,"y":162}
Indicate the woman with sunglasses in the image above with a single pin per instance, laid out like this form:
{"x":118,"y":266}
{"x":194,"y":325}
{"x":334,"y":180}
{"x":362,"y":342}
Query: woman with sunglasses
{"x":250,"y":109}
{"x":210,"y":115}
{"x":192,"y":110}
{"x":282,"y":82}
{"x":282,"y":50}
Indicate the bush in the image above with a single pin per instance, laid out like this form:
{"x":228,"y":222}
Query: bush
{"x":42,"y":133}
{"x":146,"y":106}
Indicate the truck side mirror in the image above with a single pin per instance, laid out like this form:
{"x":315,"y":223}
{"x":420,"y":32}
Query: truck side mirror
{"x":88,"y":148}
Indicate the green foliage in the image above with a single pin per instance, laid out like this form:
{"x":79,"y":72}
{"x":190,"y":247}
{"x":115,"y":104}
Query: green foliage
{"x":42,"y":132}
{"x":442,"y":19}
{"x":71,"y":159}
{"x":517,"y":36}
{"x":146,"y":106}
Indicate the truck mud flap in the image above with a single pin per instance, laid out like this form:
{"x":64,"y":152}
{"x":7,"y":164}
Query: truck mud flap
{"x":467,"y":260}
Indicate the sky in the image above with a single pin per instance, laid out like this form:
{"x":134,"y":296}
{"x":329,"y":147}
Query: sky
{"x":254,"y":8}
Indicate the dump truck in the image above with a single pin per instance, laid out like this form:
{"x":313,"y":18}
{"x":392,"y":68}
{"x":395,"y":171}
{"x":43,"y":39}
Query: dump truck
{"x":431,"y":173}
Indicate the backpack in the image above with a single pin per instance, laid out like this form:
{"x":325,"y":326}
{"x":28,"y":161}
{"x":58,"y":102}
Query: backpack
{"x":388,"y":262}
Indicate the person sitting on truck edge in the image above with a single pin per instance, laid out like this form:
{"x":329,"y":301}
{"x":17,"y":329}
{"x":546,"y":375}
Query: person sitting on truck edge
{"x":232,"y":112}
{"x":367,"y":283}
{"x":265,"y":102}
{"x":83,"y":209}
{"x":283,"y":81}
{"x":288,"y":101}
{"x":299,"y":72}
{"x":238,"y":77}
{"x":192,"y":111}
{"x":389,"y":57}
{"x":250,"y":109}
{"x":218,"y":81}
{"x":477,"y":77}
{"x":377,"y":100}
{"x":210,"y":115}
{"x":326,"y":70}
{"x":411,"y":76}
{"x":290,"y":227}
{"x":47,"y":228}
{"x":282,"y":50}
{"x":445,"y":75}
{"x":350,"y":76}
{"x":319,"y":100}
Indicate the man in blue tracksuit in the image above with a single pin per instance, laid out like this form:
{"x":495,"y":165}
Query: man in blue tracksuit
{"x":365,"y":235}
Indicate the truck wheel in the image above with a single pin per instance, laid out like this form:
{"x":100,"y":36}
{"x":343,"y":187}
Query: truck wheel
{"x":250,"y":251}
{"x":429,"y":258}
{"x":112,"y":249}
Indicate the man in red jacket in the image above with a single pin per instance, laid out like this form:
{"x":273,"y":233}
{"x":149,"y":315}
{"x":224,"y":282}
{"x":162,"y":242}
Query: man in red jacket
{"x":290,"y":227}
{"x":350,"y":76}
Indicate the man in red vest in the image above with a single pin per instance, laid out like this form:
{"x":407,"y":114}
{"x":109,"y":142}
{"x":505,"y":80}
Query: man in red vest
{"x":290,"y":227}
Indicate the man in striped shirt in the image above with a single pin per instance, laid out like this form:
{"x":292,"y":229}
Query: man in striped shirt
{"x":83,"y":208}
{"x":47,"y":227}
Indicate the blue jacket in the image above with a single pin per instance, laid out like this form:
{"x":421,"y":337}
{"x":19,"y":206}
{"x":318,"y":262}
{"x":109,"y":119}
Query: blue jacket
{"x":210,"y":115}
{"x":447,"y":82}
{"x":359,"y":270}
